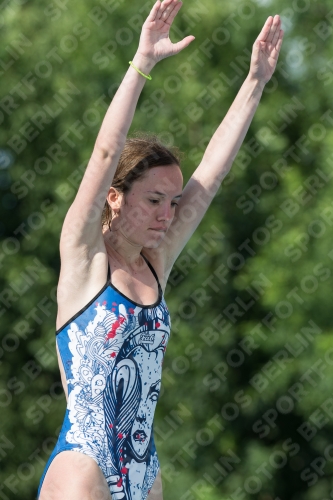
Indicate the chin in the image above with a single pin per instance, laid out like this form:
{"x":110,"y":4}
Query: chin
{"x":152,"y":244}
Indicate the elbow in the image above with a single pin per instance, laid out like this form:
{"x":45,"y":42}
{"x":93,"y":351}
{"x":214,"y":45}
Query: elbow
{"x":104,"y":151}
{"x":101,"y":152}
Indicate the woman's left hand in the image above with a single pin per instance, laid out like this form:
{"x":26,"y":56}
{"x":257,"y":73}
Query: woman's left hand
{"x":155,"y":43}
{"x":266,"y":50}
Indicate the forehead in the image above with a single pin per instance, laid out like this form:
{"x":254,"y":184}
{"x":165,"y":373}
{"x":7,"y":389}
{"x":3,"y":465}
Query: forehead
{"x":165,"y":179}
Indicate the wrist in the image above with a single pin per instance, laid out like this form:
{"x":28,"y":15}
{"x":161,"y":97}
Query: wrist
{"x":143,"y":63}
{"x":256,"y":84}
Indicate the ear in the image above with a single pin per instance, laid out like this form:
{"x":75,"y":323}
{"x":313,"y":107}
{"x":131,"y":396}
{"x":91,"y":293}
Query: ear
{"x":114,"y":199}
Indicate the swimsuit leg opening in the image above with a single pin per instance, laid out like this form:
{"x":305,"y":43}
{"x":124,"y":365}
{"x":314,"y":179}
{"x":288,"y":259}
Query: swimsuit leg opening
{"x":50,"y":460}
{"x":46,"y":468}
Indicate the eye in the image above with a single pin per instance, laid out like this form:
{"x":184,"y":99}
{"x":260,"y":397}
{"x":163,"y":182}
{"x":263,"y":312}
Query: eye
{"x":154,"y":397}
{"x":153,"y":201}
{"x":174,"y":204}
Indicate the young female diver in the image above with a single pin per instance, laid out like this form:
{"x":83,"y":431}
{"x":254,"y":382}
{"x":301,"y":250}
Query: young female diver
{"x":112,"y":332}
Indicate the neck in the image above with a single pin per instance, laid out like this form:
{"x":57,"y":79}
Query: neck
{"x":123,"y":249}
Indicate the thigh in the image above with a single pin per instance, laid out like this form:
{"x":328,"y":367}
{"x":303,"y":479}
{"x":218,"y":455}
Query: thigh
{"x":76,"y":476}
{"x":156,"y":492}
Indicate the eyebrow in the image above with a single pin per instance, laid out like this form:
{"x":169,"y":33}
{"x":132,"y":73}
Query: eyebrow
{"x":162,"y":194}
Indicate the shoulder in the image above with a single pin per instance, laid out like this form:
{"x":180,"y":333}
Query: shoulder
{"x":83,"y":273}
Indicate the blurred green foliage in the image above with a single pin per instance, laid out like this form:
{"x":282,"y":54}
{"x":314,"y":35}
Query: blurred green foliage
{"x":251,"y":365}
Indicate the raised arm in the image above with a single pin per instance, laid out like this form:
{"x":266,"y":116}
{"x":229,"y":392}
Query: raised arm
{"x":226,"y":141}
{"x":82,"y":223}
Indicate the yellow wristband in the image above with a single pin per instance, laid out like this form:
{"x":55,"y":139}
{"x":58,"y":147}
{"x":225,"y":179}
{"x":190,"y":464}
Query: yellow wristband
{"x":146,"y":76}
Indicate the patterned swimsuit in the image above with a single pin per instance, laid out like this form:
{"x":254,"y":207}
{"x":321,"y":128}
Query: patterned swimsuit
{"x":112,"y":351}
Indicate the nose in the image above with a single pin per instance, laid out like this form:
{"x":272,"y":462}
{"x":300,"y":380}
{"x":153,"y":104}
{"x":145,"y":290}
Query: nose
{"x":141,"y":419}
{"x":165,"y":212}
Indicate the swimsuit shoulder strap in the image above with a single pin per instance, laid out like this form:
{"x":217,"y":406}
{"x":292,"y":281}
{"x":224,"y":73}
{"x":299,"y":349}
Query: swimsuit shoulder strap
{"x":109,"y":272}
{"x":153,"y":271}
{"x":150,"y":267}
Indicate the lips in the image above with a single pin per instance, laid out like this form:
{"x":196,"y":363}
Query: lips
{"x":139,"y":435}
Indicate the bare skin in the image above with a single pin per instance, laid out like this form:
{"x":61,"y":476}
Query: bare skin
{"x":85,"y":249}
{"x":77,"y":476}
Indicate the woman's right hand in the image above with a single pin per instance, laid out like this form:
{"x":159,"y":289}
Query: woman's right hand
{"x":155,"y":43}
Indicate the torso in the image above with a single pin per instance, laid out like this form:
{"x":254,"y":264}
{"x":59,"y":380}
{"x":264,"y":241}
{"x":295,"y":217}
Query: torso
{"x":87,"y":277}
{"x":112,"y":344}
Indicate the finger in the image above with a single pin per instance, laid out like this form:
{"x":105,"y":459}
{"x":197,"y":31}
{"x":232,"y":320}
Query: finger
{"x":279,"y":43}
{"x":154,"y":11}
{"x":256,"y":48}
{"x":276,"y":35}
{"x":275,"y":27}
{"x":165,"y":8}
{"x":172,"y":14}
{"x":177,"y":47}
{"x":265,"y":29}
{"x":277,"y":47}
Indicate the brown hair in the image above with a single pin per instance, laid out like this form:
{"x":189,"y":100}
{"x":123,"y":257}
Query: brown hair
{"x":141,"y":152}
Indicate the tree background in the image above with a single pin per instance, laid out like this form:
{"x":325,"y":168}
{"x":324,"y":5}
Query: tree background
{"x":246,"y":408}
